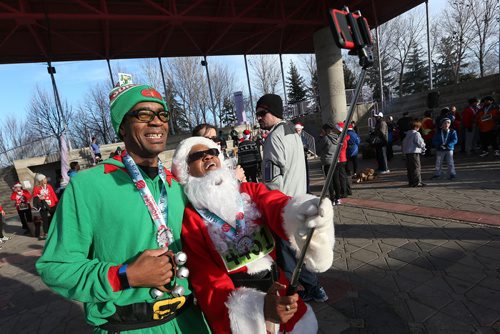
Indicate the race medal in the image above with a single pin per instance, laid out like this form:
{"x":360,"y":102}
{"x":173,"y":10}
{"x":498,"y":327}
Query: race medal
{"x":164,"y":236}
{"x":244,"y":244}
{"x":248,"y":249}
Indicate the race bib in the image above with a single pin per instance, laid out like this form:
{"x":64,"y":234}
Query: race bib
{"x":248,"y":249}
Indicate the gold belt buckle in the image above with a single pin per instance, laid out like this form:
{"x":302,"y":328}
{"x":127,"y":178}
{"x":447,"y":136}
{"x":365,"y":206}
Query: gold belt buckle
{"x":167,"y":307}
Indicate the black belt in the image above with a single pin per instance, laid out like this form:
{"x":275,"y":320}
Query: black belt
{"x":145,"y":315}
{"x":261,"y":281}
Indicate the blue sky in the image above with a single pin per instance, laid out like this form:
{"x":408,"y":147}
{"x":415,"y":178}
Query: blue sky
{"x":18,"y":81}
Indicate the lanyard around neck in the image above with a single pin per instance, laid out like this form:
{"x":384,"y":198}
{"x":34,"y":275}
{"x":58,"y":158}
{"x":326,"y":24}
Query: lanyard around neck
{"x":158,"y":211}
{"x":232,"y":233}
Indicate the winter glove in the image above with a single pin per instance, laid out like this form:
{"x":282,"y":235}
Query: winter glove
{"x":303,"y":213}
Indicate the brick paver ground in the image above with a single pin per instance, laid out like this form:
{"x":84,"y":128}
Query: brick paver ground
{"x":394,"y":271}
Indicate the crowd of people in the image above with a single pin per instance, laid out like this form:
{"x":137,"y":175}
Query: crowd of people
{"x":137,"y":243}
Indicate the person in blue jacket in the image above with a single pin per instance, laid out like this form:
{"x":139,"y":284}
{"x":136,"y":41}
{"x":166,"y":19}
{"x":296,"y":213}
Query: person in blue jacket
{"x":444,"y":141}
{"x":352,"y":151}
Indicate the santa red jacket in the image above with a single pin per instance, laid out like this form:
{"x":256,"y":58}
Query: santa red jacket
{"x":22,"y":199}
{"x":240,"y":310}
{"x":48,"y":195}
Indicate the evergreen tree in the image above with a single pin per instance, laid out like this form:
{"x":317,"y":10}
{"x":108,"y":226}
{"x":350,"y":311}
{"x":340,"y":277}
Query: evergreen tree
{"x":415,"y":79}
{"x":295,"y":83}
{"x":313,"y":90}
{"x":373,"y":81}
{"x":228,"y":115}
{"x":349,"y":78}
{"x":177,"y":113}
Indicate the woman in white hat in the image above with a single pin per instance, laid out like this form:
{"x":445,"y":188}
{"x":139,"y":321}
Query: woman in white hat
{"x":46,"y":200}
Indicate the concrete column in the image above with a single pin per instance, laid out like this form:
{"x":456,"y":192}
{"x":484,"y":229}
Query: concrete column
{"x":330,"y":77}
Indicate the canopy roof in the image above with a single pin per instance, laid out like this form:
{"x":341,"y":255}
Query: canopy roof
{"x":62,"y":30}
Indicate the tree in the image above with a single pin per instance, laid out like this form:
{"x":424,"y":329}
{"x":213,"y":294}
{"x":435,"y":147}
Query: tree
{"x":405,"y":31}
{"x":228,"y":115}
{"x":95,"y":118}
{"x":45,"y":118}
{"x":265,"y":73}
{"x":415,"y":78}
{"x":222,"y":81}
{"x":457,"y":33}
{"x":349,"y":78}
{"x":295,"y":82}
{"x":309,"y":61}
{"x":483,"y":28}
{"x":190,"y":86}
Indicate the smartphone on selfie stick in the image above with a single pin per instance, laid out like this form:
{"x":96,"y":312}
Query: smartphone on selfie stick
{"x":350,"y":31}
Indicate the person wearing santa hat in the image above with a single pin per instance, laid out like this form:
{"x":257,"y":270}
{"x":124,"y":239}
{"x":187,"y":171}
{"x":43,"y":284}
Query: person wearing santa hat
{"x":226,"y":233}
{"x":45,"y":199}
{"x":118,"y":226}
{"x":22,"y":199}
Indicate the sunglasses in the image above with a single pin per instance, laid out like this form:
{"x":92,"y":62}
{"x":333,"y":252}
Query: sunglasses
{"x":261,"y":113}
{"x":146,"y":116}
{"x":201,"y":154}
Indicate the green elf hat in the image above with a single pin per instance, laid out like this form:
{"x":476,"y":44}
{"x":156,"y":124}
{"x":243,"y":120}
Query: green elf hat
{"x":123,"y":98}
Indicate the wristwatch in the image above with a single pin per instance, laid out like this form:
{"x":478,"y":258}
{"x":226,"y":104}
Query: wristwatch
{"x":122,"y":275}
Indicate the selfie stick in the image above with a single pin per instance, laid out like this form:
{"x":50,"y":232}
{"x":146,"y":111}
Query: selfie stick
{"x":365,"y":60}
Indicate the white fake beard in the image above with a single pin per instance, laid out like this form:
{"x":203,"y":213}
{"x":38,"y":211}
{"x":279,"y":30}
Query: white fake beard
{"x":218,"y":192}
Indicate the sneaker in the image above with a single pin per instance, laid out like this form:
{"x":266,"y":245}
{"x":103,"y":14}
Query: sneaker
{"x":420,"y":184}
{"x":319,"y":295}
{"x":452,"y":177}
{"x":435,"y":177}
{"x":4,"y":238}
{"x":483,"y":154}
{"x":337,"y":202}
{"x":385,"y":171}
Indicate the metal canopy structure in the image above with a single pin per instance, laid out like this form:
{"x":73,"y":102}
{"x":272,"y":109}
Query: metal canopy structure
{"x":64,"y":30}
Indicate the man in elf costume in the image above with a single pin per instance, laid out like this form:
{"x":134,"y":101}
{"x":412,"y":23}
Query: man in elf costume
{"x":108,"y":242}
{"x":227,"y":234}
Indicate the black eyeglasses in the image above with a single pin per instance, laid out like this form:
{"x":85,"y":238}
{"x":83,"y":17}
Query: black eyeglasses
{"x":146,"y":115}
{"x":261,"y":113}
{"x":201,"y":154}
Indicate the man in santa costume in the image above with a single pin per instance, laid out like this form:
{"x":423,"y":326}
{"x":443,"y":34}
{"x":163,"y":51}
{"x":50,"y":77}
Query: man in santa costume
{"x":227,"y":233}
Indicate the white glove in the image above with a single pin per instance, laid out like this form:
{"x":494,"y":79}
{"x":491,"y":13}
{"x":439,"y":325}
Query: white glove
{"x":301,"y":214}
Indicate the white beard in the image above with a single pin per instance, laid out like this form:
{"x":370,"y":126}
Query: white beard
{"x":218,"y":192}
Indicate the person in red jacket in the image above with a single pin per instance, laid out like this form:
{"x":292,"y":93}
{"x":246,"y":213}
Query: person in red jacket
{"x":22,"y":199}
{"x":468,"y":124}
{"x":45,"y":199}
{"x":345,"y":187}
{"x":488,"y":122}
{"x":428,"y":129}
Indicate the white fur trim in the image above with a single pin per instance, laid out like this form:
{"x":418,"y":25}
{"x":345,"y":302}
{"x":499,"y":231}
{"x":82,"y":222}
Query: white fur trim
{"x":302,"y":212}
{"x":308,"y":324}
{"x":246,"y":311}
{"x":262,"y":264}
{"x":179,"y":161}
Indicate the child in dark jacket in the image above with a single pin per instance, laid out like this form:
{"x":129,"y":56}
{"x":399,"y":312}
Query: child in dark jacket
{"x":444,"y":141}
{"x":413,"y":146}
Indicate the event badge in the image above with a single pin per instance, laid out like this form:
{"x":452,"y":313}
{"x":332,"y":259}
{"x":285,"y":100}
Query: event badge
{"x":248,"y":248}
